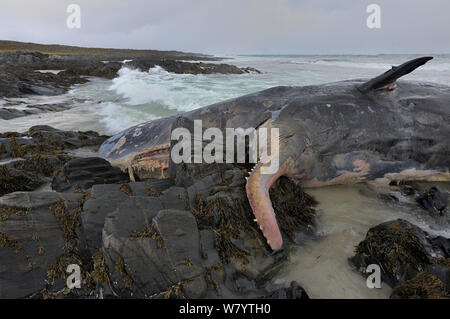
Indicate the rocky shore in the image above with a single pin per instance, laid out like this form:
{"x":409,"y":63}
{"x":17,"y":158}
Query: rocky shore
{"x":192,"y":235}
{"x":188,"y":237}
{"x":24,"y":73}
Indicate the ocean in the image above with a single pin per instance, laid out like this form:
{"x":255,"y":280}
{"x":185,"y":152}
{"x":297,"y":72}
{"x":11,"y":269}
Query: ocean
{"x":136,"y":96}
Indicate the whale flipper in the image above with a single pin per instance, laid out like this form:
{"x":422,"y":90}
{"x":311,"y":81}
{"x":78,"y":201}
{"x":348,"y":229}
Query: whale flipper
{"x":393,"y":74}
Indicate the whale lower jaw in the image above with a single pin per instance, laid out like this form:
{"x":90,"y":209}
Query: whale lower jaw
{"x":151,"y":163}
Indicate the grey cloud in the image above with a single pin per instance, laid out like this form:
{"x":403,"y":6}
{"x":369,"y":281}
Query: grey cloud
{"x":234,"y":26}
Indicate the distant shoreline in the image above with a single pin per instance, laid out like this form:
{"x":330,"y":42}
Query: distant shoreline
{"x":57,"y":49}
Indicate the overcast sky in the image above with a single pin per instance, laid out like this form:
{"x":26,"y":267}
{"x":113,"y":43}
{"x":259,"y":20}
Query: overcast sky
{"x":234,"y":26}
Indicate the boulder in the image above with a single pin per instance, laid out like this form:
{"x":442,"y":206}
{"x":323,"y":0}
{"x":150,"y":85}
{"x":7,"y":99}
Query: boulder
{"x":85,"y":172}
{"x":13,"y":180}
{"x":37,"y":242}
{"x":105,"y":198}
{"x":29,"y":160}
{"x":434,"y":201}
{"x":406,"y":254}
{"x":423,"y":286}
{"x":150,"y":250}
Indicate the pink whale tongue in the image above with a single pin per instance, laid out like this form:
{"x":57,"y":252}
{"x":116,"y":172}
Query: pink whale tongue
{"x":257,"y":189}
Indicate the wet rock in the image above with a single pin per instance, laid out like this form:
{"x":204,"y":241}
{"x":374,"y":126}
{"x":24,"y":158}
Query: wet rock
{"x":105,"y":198}
{"x":29,"y":160}
{"x":294,"y":291}
{"x":422,"y":286}
{"x":433,"y":201}
{"x":45,"y":140}
{"x":204,"y":230}
{"x":10,"y":112}
{"x":85,"y":172}
{"x":181,"y":67}
{"x":37,"y":242}
{"x":18,"y":76}
{"x":98,"y":69}
{"x":401,"y":249}
{"x":441,"y":270}
{"x":19,"y":81}
{"x":146,"y":251}
{"x":13,"y":180}
{"x":250,"y":70}
{"x":53,"y":139}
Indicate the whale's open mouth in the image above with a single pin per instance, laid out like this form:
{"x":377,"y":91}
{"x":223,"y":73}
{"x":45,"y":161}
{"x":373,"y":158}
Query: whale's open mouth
{"x":151,"y":163}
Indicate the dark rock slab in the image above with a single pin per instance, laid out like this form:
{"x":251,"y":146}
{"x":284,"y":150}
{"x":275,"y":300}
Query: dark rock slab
{"x":59,"y":139}
{"x":32,"y":240}
{"x":140,"y":263}
{"x":105,"y":198}
{"x":434,"y":201}
{"x":85,"y":172}
{"x":29,"y":160}
{"x":182,"y":67}
{"x":294,"y":291}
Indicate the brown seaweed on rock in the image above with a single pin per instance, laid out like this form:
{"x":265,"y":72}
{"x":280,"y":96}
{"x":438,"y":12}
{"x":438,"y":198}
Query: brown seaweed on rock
{"x":228,"y":213}
{"x":395,"y":246}
{"x":412,"y":261}
{"x":422,"y":286}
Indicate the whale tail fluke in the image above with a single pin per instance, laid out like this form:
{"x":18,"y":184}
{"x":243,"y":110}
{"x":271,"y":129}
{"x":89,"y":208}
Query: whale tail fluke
{"x":389,"y":77}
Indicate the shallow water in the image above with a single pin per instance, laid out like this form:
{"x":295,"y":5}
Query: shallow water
{"x":345,"y":215}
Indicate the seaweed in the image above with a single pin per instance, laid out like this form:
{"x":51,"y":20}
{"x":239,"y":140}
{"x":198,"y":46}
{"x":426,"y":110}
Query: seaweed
{"x":126,"y":189}
{"x":6,"y":212}
{"x":422,"y":286}
{"x":37,"y":164}
{"x":174,"y":292}
{"x":127,"y":281}
{"x":7,"y":241}
{"x":229,"y":215}
{"x":12,"y":182}
{"x":442,"y":261}
{"x":16,"y":149}
{"x":69,"y":221}
{"x":41,"y":250}
{"x":227,"y":219}
{"x":57,"y":269}
{"x":150,"y":232}
{"x":100,"y":271}
{"x":120,"y":268}
{"x":394,"y":247}
{"x":2,"y":149}
{"x":150,"y":192}
{"x":120,"y":265}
